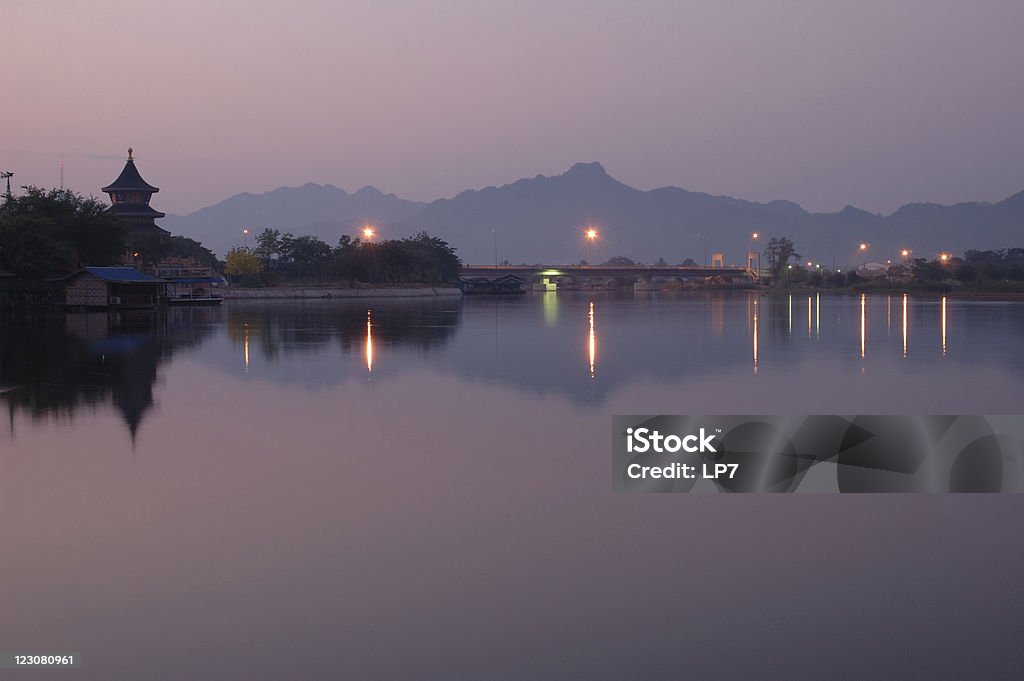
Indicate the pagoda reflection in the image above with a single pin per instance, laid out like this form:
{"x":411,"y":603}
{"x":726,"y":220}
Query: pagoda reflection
{"x":53,"y":366}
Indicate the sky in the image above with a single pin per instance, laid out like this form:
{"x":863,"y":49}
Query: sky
{"x":870,"y":103}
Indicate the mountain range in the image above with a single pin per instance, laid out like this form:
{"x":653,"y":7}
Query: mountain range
{"x":543,"y":220}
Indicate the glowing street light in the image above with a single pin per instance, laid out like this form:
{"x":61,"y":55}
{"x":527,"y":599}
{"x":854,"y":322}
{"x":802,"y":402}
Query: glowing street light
{"x":944,"y":257}
{"x":245,"y":232}
{"x":905,"y":253}
{"x":753,"y":238}
{"x":591,"y":233}
{"x":368,"y":232}
{"x":863,"y":247}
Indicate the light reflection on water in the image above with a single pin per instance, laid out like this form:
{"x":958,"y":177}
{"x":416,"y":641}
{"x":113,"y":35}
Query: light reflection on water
{"x":201,"y":483}
{"x":98,"y":360}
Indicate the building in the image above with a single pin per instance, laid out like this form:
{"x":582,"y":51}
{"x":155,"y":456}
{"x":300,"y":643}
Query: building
{"x":190,"y":283}
{"x":129,"y":198}
{"x":112,"y":287}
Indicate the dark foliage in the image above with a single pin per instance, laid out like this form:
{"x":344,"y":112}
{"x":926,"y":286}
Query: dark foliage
{"x":183,"y":247}
{"x":417,"y":259}
{"x":49,"y":232}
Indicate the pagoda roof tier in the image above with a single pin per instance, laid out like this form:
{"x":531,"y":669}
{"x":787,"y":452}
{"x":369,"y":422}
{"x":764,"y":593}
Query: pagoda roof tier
{"x":136,"y":210}
{"x":130,"y":179}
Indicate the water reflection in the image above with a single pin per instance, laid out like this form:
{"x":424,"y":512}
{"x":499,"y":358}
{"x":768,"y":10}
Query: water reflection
{"x":904,"y":325}
{"x":943,"y":326}
{"x":280,"y":329}
{"x":54,"y":365}
{"x":809,"y":316}
{"x":789,"y":315}
{"x":755,"y":335}
{"x":673,"y":339}
{"x":863,"y":323}
{"x":482,"y":446}
{"x":592,"y":342}
{"x":369,"y":341}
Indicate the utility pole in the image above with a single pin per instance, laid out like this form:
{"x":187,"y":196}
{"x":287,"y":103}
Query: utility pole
{"x":7,"y":175}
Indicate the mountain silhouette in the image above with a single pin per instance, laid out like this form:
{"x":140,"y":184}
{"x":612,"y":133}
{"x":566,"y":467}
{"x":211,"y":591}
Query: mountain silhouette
{"x":321,"y":210}
{"x":543,"y":220}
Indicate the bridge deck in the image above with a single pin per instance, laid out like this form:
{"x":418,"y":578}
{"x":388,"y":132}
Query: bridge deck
{"x":605,"y":271}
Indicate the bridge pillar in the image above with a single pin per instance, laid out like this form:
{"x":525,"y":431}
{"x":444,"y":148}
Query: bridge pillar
{"x":646,"y":283}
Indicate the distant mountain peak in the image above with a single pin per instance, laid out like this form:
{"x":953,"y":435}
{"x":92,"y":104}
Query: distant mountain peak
{"x":592,"y":169}
{"x":368,"y":191}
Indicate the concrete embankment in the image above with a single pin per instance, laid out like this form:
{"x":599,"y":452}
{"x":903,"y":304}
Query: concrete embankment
{"x":328,"y":293}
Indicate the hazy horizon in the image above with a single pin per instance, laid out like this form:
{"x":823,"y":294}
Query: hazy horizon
{"x":870,"y":104}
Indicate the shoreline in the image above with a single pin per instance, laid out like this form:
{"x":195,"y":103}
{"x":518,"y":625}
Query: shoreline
{"x":328,"y":292}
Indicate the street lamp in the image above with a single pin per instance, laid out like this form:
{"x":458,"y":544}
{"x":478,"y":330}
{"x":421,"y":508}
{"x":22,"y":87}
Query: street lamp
{"x":245,"y":232}
{"x":944,"y":257}
{"x":368,"y":232}
{"x":754,"y":237}
{"x":590,"y":233}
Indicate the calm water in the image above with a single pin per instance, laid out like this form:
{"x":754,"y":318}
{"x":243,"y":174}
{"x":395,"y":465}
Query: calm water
{"x":420,"y":489}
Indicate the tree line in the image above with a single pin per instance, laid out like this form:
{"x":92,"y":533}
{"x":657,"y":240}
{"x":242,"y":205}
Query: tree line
{"x":990,"y":270}
{"x":50,"y":232}
{"x":278,"y":257}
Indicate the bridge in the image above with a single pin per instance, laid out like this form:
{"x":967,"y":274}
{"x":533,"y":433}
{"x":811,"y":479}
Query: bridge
{"x":548,"y":275}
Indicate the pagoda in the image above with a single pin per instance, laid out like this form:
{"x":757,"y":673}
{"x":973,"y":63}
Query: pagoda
{"x":129,"y":198}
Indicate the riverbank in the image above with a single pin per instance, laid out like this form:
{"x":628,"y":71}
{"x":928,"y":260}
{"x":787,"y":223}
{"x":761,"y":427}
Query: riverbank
{"x":315,"y":292}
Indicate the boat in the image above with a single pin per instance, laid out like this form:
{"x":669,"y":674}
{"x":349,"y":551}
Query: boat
{"x":505,"y":284}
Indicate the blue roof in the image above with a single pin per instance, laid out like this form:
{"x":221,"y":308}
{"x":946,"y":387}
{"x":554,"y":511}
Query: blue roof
{"x":193,"y":280}
{"x":128,"y":275}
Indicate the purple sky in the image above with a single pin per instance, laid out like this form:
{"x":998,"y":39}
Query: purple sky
{"x":826,"y":103}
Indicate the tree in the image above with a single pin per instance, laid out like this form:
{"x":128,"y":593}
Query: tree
{"x":689,"y":262}
{"x":430,"y":259}
{"x":268,"y":247}
{"x":183,"y":247}
{"x":779,"y":252}
{"x":152,"y":246}
{"x":241,"y":262}
{"x":619,"y":261}
{"x":307,"y":256}
{"x":48,"y":232}
{"x":419,"y":258}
